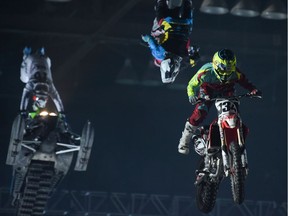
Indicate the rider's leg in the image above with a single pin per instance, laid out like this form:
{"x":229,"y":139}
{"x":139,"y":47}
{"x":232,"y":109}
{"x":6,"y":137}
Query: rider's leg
{"x":161,"y":10}
{"x":188,"y":9}
{"x":172,"y":4}
{"x":185,"y":139}
{"x":198,"y":115}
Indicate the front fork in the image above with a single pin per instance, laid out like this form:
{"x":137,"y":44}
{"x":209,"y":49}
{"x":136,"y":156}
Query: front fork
{"x":240,"y":139}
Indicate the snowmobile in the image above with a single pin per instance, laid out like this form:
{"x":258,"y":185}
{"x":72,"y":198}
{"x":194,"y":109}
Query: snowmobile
{"x":41,"y":151}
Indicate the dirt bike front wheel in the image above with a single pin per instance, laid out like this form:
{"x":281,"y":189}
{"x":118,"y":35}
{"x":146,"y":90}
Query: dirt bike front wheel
{"x":237,"y":175}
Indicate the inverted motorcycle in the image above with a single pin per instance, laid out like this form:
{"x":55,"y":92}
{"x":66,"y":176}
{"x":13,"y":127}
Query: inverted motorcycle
{"x":41,"y":150}
{"x":221,"y":146}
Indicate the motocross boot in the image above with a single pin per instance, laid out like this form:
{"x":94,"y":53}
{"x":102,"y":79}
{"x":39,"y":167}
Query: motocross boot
{"x":199,"y":144}
{"x":187,"y":134}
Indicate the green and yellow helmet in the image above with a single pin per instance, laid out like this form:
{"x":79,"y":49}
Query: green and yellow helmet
{"x":224,"y":63}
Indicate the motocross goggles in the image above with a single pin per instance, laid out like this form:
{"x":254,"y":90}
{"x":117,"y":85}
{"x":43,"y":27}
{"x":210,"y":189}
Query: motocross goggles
{"x":224,"y":70}
{"x":39,"y":102}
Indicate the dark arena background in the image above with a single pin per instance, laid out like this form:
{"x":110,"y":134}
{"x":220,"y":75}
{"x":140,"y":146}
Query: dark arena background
{"x":103,"y":73}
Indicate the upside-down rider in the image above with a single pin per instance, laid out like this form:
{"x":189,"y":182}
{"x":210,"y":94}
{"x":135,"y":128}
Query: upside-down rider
{"x":169,"y":41}
{"x":35,"y":72}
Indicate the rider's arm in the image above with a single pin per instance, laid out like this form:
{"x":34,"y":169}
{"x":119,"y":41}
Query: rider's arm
{"x":244,"y":82}
{"x":195,"y":83}
{"x":24,"y":76}
{"x":157,"y":51}
{"x":24,"y":100}
{"x":27,"y":91}
{"x":56,"y":98}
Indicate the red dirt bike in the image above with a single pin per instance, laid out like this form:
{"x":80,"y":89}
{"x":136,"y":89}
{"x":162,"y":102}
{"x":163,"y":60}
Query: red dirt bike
{"x":221,"y":145}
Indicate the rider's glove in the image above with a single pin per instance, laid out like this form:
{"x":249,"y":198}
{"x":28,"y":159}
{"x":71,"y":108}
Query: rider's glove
{"x":24,"y":113}
{"x":194,"y":56}
{"x":63,"y":119}
{"x":146,"y":38}
{"x":62,"y":116}
{"x":193,"y":99}
{"x":256,"y":92}
{"x":192,"y":62}
{"x":206,"y":97}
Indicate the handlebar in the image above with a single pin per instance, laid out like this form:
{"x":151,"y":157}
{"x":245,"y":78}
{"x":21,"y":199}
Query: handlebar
{"x":201,"y":100}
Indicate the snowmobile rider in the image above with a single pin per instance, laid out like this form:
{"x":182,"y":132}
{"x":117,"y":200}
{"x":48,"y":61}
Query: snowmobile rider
{"x":216,"y":78}
{"x":169,"y":41}
{"x":35,"y":71}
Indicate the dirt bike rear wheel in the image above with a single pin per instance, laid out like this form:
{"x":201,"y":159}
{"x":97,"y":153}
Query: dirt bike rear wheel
{"x":206,"y":193}
{"x":237,"y":175}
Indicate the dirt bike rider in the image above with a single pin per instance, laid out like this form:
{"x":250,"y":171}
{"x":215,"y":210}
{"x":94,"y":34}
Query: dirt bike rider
{"x":35,"y":71}
{"x":169,"y":41}
{"x":216,"y":78}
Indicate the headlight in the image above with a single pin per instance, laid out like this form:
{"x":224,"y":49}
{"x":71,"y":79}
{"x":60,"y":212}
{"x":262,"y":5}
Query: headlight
{"x":45,"y":113}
